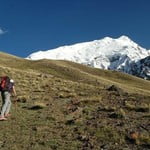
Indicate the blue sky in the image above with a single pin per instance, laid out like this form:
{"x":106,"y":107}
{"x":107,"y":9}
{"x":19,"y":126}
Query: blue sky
{"x":27,"y":26}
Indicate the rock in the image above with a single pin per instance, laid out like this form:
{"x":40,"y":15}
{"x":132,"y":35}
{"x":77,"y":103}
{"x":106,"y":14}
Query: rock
{"x":134,"y":135}
{"x":22,"y":99}
{"x":83,"y":138}
{"x":114,"y":88}
{"x":116,"y":115}
{"x":70,"y":122}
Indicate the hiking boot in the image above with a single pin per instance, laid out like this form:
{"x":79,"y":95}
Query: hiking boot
{"x":2,"y":118}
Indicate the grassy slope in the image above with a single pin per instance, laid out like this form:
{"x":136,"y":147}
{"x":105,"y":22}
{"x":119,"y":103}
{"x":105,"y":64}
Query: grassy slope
{"x":77,"y":72}
{"x":64,"y":105}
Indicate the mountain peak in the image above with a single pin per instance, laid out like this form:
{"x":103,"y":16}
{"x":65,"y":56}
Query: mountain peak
{"x":124,"y":37}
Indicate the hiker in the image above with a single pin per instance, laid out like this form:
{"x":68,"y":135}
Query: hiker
{"x":7,"y":88}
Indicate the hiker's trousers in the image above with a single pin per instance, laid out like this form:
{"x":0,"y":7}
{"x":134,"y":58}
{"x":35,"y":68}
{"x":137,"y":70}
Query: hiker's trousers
{"x":6,"y":103}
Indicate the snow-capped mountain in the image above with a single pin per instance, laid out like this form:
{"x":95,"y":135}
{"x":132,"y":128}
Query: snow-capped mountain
{"x":142,"y":68}
{"x":116,"y":54}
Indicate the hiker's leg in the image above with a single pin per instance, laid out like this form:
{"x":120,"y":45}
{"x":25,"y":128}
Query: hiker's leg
{"x":6,"y":102}
{"x":3,"y":99}
{"x":8,"y":107}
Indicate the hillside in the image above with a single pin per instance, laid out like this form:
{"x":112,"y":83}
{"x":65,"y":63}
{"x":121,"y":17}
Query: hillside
{"x":67,"y":106}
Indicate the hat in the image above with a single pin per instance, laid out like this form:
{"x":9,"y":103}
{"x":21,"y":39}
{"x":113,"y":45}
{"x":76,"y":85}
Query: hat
{"x":11,"y":80}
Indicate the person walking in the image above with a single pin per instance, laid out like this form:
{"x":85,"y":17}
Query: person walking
{"x":7,"y":88}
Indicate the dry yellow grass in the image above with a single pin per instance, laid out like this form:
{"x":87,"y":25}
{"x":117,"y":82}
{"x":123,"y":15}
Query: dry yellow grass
{"x":63,"y":105}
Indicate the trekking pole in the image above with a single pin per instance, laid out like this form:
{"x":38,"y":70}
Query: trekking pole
{"x":15,"y":104}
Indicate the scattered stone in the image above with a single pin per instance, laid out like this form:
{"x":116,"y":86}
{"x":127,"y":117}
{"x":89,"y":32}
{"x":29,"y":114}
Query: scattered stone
{"x":114,"y":88}
{"x":134,"y":135}
{"x":83,"y":138}
{"x":21,"y":99}
{"x":116,"y":115}
{"x":72,"y":108}
{"x":34,"y":128}
{"x":70,"y":122}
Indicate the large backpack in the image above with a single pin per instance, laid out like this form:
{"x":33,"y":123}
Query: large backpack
{"x":5,"y":84}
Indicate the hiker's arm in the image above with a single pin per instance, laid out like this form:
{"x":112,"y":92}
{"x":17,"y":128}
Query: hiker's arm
{"x":14,"y":91}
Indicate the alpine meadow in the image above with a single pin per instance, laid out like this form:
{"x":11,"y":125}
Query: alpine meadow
{"x":63,"y":105}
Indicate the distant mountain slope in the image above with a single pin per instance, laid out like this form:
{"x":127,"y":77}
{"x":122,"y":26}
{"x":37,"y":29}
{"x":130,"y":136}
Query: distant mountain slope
{"x":142,"y":68}
{"x":113,"y":54}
